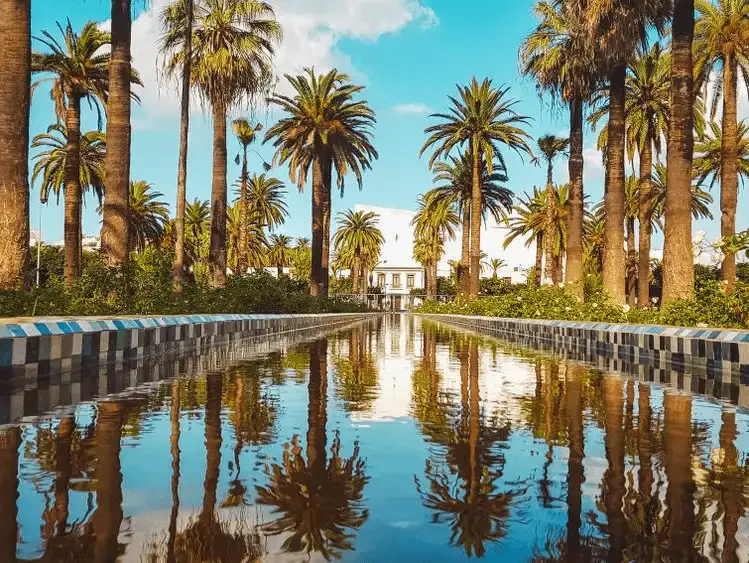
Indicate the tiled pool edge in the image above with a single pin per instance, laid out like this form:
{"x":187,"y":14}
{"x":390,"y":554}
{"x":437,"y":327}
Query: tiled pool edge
{"x":709,"y":350}
{"x":44,"y":346}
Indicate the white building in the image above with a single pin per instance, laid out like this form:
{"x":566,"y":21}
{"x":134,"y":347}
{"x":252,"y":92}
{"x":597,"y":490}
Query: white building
{"x":397,"y":272}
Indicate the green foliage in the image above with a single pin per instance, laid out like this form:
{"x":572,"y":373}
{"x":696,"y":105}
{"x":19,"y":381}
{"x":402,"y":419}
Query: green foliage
{"x":494,"y":286}
{"x":341,"y":286}
{"x":145,"y":288}
{"x":712,"y":306}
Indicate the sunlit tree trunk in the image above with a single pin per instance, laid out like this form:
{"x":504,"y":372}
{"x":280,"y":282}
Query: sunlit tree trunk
{"x":108,"y":516}
{"x":244,"y":215}
{"x":326,"y":212}
{"x":613,"y":248}
{"x":174,"y":414}
{"x":218,"y":198}
{"x":550,"y":208}
{"x":356,"y":271}
{"x":631,"y":262}
{"x":575,"y":468}
{"x":678,"y":260}
{"x":72,"y":189}
{"x":575,"y":213}
{"x":476,"y":201}
{"x":614,"y":484}
{"x":10,"y":440}
{"x":15,"y":100}
{"x":729,"y":179}
{"x":677,"y":441}
{"x":178,"y":271}
{"x":116,"y":214}
{"x":538,"y":268}
{"x":464,"y":281}
{"x":646,"y":220}
{"x":318,"y":202}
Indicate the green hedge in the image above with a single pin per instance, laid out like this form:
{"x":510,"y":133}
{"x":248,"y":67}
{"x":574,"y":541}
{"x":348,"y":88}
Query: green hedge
{"x":712,"y":306}
{"x":145,"y":288}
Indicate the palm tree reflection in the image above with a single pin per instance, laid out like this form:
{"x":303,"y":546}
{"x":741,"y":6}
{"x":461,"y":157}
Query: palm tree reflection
{"x":462,"y":482}
{"x":318,"y":501}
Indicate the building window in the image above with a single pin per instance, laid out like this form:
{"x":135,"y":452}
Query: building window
{"x":381,"y":280}
{"x":396,"y":281}
{"x":410,"y":279}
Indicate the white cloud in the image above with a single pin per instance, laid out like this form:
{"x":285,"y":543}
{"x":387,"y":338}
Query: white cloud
{"x":411,"y":108}
{"x":312,"y":31}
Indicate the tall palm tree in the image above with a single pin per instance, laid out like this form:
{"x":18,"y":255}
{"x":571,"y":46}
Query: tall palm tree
{"x":246,"y":134}
{"x":265,"y":195}
{"x":434,"y":222}
{"x":177,"y":24}
{"x":279,"y":252}
{"x":255,"y":243}
{"x":115,"y":221}
{"x":197,"y":231}
{"x":709,"y":155}
{"x":529,"y":220}
{"x":80,"y":70}
{"x":15,"y":101}
{"x":496,"y":264}
{"x":49,"y":162}
{"x":358,"y":236}
{"x":555,"y":223}
{"x":233,"y":43}
{"x":454,"y":185}
{"x":699,"y":202}
{"x":326,"y":128}
{"x":617,"y":29}
{"x":678,"y":269}
{"x":556,"y":54}
{"x":302,"y":243}
{"x":550,"y":147}
{"x":148,"y":215}
{"x":720,"y":44}
{"x":484,"y":118}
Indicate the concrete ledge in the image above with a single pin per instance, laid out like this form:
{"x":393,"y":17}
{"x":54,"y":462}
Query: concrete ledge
{"x":707,"y":350}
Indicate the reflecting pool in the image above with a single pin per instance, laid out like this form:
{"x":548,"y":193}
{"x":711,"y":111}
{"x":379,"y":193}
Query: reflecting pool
{"x":394,"y":440}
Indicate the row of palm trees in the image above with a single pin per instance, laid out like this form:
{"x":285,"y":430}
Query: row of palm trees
{"x":220,"y":50}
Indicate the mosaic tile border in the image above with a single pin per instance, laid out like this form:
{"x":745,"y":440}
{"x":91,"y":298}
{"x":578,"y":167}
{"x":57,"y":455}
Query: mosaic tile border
{"x":708,"y":350}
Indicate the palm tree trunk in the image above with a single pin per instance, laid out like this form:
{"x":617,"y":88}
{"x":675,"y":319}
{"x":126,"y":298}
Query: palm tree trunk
{"x":72,"y":189}
{"x":613,"y":249}
{"x":473,"y":436}
{"x":550,"y":204}
{"x":317,"y":405}
{"x":15,"y":100}
{"x":178,"y":271}
{"x":576,"y":470}
{"x":62,"y":470}
{"x":646,"y":220}
{"x":729,"y":179}
{"x":244,"y":215}
{"x":631,"y":262}
{"x":731,"y":494}
{"x":678,"y":260}
{"x":557,"y":273}
{"x":464,"y":282}
{"x":549,"y":262}
{"x":214,"y":384}
{"x":115,"y":217}
{"x":108,"y":516}
{"x":645,"y":454}
{"x":575,"y":214}
{"x":217,"y":257}
{"x":10,"y":440}
{"x":363,"y":285}
{"x":174,"y":447}
{"x":356,"y":270}
{"x":318,"y":201}
{"x":475,"y":271}
{"x":677,"y":440}
{"x":326,"y":211}
{"x":614,"y":483}
{"x":539,"y":259}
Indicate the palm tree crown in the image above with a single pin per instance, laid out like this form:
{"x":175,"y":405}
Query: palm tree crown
{"x":148,"y":214}
{"x":709,"y":155}
{"x":279,"y":251}
{"x":266,"y":199}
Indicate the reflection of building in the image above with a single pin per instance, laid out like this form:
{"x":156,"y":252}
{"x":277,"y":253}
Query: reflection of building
{"x":397,"y":262}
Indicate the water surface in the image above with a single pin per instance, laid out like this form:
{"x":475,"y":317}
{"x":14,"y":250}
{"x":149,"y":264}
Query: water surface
{"x":391,"y":441}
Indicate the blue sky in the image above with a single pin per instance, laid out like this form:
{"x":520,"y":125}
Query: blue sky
{"x":409,"y":54}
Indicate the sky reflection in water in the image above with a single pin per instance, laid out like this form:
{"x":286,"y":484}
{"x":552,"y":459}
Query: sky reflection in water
{"x":387,"y":442}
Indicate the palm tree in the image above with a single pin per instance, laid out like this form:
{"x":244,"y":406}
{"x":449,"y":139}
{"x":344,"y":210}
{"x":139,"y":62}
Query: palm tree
{"x":233,"y":43}
{"x":618,"y":28}
{"x":496,"y":264}
{"x":177,"y":37}
{"x":49,"y":165}
{"x":80,"y":71}
{"x":302,"y":243}
{"x":594,"y":236}
{"x":279,"y":252}
{"x":326,"y":128}
{"x":359,"y":237}
{"x":550,"y":147}
{"x":255,"y":244}
{"x":15,"y":101}
{"x":148,"y":215}
{"x":454,"y":181}
{"x":318,"y":501}
{"x":556,"y":54}
{"x":678,"y":268}
{"x":434,"y":222}
{"x":197,"y":230}
{"x":484,"y":118}
{"x":265,"y":195}
{"x":530,"y":220}
{"x":699,"y":203}
{"x":720,"y":43}
{"x":246,"y":134}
